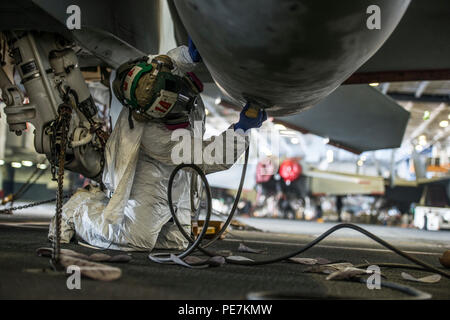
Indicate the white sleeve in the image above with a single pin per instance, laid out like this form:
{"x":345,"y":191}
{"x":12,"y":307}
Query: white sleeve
{"x":181,"y":58}
{"x":160,"y":144}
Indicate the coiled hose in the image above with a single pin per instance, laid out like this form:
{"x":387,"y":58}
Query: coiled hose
{"x":196,"y":243}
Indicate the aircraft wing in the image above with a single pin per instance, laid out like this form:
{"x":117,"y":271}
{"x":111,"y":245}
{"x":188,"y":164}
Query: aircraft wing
{"x":354,"y":117}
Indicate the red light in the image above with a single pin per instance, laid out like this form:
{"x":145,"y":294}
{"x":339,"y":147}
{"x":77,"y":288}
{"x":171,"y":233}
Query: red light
{"x":290,"y":170}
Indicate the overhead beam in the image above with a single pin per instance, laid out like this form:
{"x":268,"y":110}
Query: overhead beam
{"x":422,"y":86}
{"x":437,"y":98}
{"x":425,"y":124}
{"x":443,"y":134}
{"x":397,"y":76}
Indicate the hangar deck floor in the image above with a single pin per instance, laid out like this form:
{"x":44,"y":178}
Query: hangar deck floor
{"x":143,"y":279}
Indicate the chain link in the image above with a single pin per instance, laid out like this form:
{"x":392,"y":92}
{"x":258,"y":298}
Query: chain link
{"x":61,"y":129}
{"x":30,"y":205}
{"x":65,"y":115}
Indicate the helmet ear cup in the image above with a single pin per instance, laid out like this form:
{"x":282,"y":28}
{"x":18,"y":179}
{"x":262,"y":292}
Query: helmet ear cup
{"x":121,"y":72}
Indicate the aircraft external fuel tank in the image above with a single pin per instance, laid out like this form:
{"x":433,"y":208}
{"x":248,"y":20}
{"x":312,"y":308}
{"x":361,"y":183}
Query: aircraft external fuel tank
{"x":287,"y":55}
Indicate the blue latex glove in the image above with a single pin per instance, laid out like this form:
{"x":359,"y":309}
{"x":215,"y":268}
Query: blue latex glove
{"x":245,"y":123}
{"x":193,"y":52}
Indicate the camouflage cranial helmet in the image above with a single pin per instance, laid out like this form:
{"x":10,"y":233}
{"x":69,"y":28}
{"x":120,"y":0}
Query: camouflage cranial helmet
{"x":152,"y":91}
{"x":148,"y":88}
{"x":148,"y":80}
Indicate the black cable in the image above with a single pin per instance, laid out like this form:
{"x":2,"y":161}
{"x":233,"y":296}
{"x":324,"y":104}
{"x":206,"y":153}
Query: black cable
{"x":209,"y":211}
{"x":196,"y":244}
{"x":425,"y":265}
{"x":391,"y":265}
{"x":235,"y":203}
{"x":349,"y":226}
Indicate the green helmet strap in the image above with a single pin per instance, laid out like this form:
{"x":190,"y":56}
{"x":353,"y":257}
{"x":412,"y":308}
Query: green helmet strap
{"x":131,"y":80}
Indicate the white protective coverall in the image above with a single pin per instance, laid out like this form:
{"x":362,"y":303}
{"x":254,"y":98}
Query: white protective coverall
{"x":137,"y":169}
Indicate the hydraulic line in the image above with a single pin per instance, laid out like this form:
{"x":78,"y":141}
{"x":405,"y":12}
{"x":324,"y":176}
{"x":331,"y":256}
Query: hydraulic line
{"x":235,"y":203}
{"x":195,"y":244}
{"x":391,"y":265}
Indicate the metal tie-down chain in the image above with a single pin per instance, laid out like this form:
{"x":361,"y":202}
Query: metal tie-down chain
{"x":60,"y":129}
{"x":62,"y":125}
{"x":30,"y":205}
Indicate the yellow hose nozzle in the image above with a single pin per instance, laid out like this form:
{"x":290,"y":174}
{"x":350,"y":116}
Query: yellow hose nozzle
{"x":7,"y":199}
